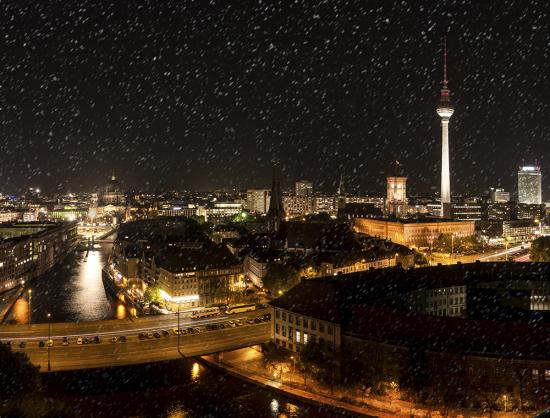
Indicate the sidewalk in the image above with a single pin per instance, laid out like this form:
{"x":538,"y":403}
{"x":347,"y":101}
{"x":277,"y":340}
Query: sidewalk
{"x":248,"y":364}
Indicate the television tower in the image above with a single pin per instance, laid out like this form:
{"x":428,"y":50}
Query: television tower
{"x":445,"y":110}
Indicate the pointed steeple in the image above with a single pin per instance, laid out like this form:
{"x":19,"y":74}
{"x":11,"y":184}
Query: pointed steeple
{"x":341,"y":186}
{"x":276,"y":212}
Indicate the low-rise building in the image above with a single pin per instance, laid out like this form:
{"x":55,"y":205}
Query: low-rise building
{"x":415,"y":232}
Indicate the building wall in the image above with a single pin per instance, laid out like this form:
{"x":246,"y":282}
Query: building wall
{"x":420,"y":234}
{"x":291,"y":331}
{"x":24,"y":257}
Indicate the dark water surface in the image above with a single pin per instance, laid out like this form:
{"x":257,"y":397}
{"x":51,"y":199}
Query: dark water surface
{"x":180,"y":388}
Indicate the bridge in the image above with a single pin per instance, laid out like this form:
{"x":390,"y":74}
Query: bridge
{"x":134,"y":350}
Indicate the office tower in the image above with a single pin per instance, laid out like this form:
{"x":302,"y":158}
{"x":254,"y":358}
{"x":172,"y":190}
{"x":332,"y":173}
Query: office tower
{"x":304,"y":188}
{"x":530,"y":185}
{"x":257,"y":200}
{"x":499,"y":196}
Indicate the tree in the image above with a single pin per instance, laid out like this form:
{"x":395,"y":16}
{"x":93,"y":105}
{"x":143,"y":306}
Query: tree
{"x":280,"y":277}
{"x":540,"y":249}
{"x":152,"y":294}
{"x":19,"y":377}
{"x":313,"y":361}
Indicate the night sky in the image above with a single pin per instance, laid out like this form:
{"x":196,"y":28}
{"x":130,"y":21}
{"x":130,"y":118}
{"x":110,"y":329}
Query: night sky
{"x":200,"y":95}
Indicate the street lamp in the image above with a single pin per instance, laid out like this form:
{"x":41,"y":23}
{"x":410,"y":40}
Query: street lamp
{"x":179,"y":331}
{"x":30,"y":306}
{"x":49,"y":339}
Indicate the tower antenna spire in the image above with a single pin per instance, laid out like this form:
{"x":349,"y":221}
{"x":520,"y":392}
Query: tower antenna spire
{"x":445,"y":81}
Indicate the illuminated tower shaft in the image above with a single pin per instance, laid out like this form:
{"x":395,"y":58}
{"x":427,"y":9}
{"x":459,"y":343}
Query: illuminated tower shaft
{"x":445,"y":110}
{"x":445,"y":173}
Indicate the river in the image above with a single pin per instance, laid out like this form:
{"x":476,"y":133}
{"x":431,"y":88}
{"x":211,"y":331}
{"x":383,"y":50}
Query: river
{"x":174,"y":389}
{"x":72,"y":291}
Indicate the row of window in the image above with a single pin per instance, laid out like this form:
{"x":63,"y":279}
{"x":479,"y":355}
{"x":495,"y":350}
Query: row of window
{"x":303,"y":322}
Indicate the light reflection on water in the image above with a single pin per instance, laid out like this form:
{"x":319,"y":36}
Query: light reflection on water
{"x":20,"y":311}
{"x":73,"y":291}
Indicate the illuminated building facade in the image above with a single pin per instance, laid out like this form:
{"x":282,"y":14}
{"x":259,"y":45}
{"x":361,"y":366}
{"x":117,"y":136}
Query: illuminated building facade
{"x":304,"y":188}
{"x":396,"y":197}
{"x":28,"y":250}
{"x":257,"y":200}
{"x":418,"y":233}
{"x":529,"y":185}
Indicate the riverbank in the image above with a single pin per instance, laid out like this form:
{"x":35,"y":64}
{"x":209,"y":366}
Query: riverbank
{"x":248,"y":365}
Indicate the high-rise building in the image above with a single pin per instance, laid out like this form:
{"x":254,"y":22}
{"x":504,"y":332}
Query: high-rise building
{"x":396,"y":198}
{"x":304,"y":188}
{"x":257,"y":200}
{"x":276,"y":212}
{"x":530,"y":185}
{"x":499,"y":196}
{"x":445,"y":110}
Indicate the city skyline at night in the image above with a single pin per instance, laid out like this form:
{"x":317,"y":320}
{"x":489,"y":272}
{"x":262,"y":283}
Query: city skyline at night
{"x":205,"y":97}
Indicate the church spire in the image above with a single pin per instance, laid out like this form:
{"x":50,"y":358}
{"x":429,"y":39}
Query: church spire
{"x":276,"y":212}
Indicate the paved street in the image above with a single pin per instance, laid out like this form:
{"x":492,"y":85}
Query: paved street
{"x":134,"y":350}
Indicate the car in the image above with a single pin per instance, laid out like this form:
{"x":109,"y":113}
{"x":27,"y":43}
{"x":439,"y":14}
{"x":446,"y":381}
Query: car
{"x":79,"y":340}
{"x":142,"y":336}
{"x":230,"y":324}
{"x":221,"y":326}
{"x":267,"y":317}
{"x":122,"y":339}
{"x":41,"y":344}
{"x":65,"y":341}
{"x":210,"y":327}
{"x":176,"y":331}
{"x":239,"y":323}
{"x":150,"y":335}
{"x":97,"y":340}
{"x":114,"y":339}
{"x":165,"y":333}
{"x":198,"y":330}
{"x":22,"y":344}
{"x":50,"y":343}
{"x":86,"y":340}
{"x":258,"y":320}
{"x":183,"y":331}
{"x":250,"y":321}
{"x":156,"y":334}
{"x":191,"y":331}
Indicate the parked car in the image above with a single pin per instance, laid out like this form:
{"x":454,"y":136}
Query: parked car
{"x":41,"y":344}
{"x":183,"y":331}
{"x":176,"y":331}
{"x":50,"y":343}
{"x":97,"y":340}
{"x":250,"y":321}
{"x":22,"y":344}
{"x":267,"y":317}
{"x":157,"y":334}
{"x":122,"y":339}
{"x":142,"y":336}
{"x":150,"y":335}
{"x":165,"y":333}
{"x":114,"y":339}
{"x":239,"y":323}
{"x":79,"y":341}
{"x":65,"y":341}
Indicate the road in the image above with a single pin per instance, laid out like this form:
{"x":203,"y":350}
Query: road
{"x":134,"y":350}
{"x":496,"y":255}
